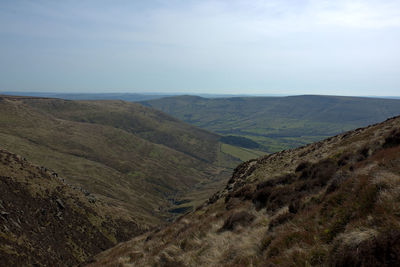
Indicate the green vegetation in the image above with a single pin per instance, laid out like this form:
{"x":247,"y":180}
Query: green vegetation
{"x":278,"y":123}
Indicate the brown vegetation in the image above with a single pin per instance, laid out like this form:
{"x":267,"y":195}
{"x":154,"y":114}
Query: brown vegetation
{"x":45,"y":222}
{"x":242,"y":218}
{"x":332,"y":203}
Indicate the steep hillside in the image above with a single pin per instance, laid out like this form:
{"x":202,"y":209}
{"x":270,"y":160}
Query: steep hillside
{"x":278,"y":123}
{"x":331,"y":203}
{"x":46,"y":222}
{"x":133,"y":157}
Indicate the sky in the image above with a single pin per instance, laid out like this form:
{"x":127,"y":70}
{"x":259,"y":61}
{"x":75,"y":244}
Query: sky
{"x":286,"y":47}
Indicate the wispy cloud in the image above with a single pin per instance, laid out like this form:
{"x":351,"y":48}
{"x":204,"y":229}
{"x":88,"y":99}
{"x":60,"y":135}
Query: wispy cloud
{"x":191,"y":22}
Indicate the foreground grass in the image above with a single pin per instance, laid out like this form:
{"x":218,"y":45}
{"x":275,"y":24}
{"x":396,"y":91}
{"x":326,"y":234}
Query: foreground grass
{"x":331,"y":203}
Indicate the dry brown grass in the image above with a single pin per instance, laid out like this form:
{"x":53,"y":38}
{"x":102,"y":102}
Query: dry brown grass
{"x":333,"y":203}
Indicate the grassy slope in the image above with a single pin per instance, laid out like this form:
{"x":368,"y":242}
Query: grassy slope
{"x":279,"y":122}
{"x":331,"y":203}
{"x":130,"y":156}
{"x":151,"y":125}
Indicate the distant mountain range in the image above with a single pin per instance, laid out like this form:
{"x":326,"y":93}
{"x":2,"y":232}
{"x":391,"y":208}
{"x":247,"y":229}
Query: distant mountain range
{"x":135,"y":97}
{"x":278,"y":123}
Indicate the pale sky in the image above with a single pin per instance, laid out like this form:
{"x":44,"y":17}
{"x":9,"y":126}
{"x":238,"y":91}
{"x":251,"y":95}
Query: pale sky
{"x":233,"y":46}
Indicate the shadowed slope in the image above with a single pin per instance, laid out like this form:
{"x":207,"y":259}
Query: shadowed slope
{"x":46,"y":222}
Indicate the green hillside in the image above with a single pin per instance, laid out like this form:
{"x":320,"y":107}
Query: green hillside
{"x":133,"y":157}
{"x":278,"y":123}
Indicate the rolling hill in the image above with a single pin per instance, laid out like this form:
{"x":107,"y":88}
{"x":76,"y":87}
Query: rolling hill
{"x":331,"y":203}
{"x":140,"y":160}
{"x":278,"y":123}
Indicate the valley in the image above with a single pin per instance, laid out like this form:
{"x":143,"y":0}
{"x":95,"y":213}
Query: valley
{"x":133,"y":157}
{"x":109,"y":172}
{"x":206,"y":133}
{"x":330,"y":203}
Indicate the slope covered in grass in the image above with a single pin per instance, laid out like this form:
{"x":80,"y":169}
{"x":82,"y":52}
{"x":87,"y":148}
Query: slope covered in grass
{"x":279,"y":123}
{"x":133,"y":157}
{"x":148,"y":124}
{"x":331,"y":203}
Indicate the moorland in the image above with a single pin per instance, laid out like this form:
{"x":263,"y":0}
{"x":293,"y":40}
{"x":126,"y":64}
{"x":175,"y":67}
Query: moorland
{"x":229,"y":181}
